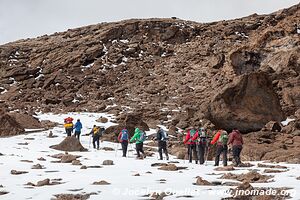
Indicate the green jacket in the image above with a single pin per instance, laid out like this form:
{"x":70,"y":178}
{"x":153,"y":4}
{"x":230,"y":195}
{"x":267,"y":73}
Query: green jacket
{"x":136,"y":136}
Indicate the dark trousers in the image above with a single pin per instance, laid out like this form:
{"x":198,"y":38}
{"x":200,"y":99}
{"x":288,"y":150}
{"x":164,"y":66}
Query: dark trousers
{"x":124,"y":144}
{"x":77,"y":134}
{"x":69,"y":131}
{"x":96,"y":139}
{"x":236,"y":151}
{"x":192,"y":150}
{"x":139,"y":148}
{"x":221,"y":149}
{"x":162,"y":146}
{"x":201,"y":152}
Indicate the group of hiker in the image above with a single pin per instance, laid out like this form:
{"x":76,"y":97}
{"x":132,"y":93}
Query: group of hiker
{"x":96,"y":131}
{"x":198,"y":140}
{"x":199,"y":143}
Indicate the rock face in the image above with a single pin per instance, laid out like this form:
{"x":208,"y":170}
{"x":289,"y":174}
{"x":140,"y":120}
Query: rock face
{"x":246,"y":71}
{"x":9,"y":125}
{"x":69,"y":144}
{"x":26,"y":120}
{"x":248,"y":104}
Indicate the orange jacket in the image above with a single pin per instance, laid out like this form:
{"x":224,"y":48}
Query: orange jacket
{"x":216,"y":137}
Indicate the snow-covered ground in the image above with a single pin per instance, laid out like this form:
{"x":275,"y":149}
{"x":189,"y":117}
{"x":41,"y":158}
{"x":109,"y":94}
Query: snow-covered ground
{"x":123,"y":184}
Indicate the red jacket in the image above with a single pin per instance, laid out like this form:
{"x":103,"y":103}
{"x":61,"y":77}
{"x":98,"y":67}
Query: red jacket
{"x":189,"y":139}
{"x":235,"y":138}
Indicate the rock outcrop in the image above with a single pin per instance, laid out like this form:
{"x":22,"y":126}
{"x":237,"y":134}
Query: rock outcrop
{"x":246,"y":71}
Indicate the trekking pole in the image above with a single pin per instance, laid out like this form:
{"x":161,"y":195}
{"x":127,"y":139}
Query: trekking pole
{"x":116,"y":149}
{"x":90,"y":141}
{"x":206,"y":157}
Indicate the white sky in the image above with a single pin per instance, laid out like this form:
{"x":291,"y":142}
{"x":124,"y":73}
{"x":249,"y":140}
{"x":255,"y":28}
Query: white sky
{"x":31,"y":18}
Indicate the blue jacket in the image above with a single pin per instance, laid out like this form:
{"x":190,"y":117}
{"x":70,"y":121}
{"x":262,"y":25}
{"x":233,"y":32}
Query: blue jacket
{"x":78,"y":126}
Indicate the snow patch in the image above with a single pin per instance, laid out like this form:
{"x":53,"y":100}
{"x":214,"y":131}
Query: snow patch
{"x":287,"y":121}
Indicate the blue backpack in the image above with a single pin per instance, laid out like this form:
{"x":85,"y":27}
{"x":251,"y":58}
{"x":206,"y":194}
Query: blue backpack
{"x":124,"y":135}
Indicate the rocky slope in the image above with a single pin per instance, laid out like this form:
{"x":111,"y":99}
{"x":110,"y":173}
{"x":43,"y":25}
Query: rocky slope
{"x":240,"y":73}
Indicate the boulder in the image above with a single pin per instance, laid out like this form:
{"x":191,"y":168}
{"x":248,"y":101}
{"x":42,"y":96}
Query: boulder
{"x":102,"y":182}
{"x":201,"y":181}
{"x":26,"y":121}
{"x":69,"y":144}
{"x":9,"y":125}
{"x":273,"y":126}
{"x":16,"y":172}
{"x":247,"y":104}
{"x":43,"y":182}
{"x":108,"y":162}
{"x":131,"y":121}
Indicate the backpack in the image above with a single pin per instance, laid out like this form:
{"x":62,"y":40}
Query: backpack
{"x":202,"y":136}
{"x":164,"y":135}
{"x":223,"y":138}
{"x":143,"y":136}
{"x":192,"y":133}
{"x":101,"y":131}
{"x":124,"y":135}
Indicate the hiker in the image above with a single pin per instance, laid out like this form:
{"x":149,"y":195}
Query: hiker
{"x":162,"y":138}
{"x":201,"y":139}
{"x":77,"y":127}
{"x":123,"y":139}
{"x":97,"y":132}
{"x":236,"y":140}
{"x":68,"y":124}
{"x":191,"y":144}
{"x":221,"y":138}
{"x":139,"y":136}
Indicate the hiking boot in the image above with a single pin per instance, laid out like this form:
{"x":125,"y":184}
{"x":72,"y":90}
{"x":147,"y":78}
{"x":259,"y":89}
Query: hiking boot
{"x":167,"y":157}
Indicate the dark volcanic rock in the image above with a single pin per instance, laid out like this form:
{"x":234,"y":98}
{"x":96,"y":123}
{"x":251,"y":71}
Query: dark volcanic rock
{"x":9,"y":125}
{"x":69,"y":144}
{"x":248,"y":104}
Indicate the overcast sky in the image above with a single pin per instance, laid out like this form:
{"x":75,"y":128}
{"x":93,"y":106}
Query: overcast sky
{"x":30,"y":18}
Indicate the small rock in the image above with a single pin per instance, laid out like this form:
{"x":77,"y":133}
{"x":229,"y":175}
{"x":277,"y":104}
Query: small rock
{"x":273,"y":171}
{"x":29,"y":139}
{"x":83,"y":167}
{"x":27,"y":161}
{"x":68,"y":158}
{"x":23,"y":143}
{"x":102,"y":182}
{"x":102,"y":120}
{"x":37,"y":166}
{"x":108,"y":149}
{"x":50,"y":134}
{"x":1,"y":154}
{"x":289,"y":141}
{"x":3,"y":192}
{"x":159,"y":164}
{"x":136,"y":174}
{"x":201,"y":181}
{"x":72,"y":196}
{"x":15,"y":172}
{"x":108,"y":162}
{"x":30,"y":184}
{"x":169,"y":167}
{"x":226,"y":168}
{"x":148,"y":172}
{"x":298,"y":178}
{"x":41,"y":159}
{"x":43,"y":182}
{"x":271,"y":166}
{"x":76,"y":162}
